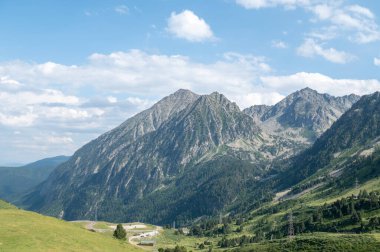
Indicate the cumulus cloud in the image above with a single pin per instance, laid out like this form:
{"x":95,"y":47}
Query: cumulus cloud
{"x":376,"y":61}
{"x":279,"y":44}
{"x":122,"y":9}
{"x":324,"y":33}
{"x":266,"y":96}
{"x":321,"y":83}
{"x":24,"y":120}
{"x":8,"y":84}
{"x":60,"y":140}
{"x":258,"y":4}
{"x":361,"y":11}
{"x":354,"y":22}
{"x":189,"y":26}
{"x":56,"y":102}
{"x":310,"y":48}
{"x":137,"y":73}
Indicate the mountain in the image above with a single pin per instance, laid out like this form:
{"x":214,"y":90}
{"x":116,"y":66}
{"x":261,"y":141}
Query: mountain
{"x":329,"y":189}
{"x":342,"y":159}
{"x":328,"y":195}
{"x":15,"y":181}
{"x":257,"y":112}
{"x":187,"y":156}
{"x":346,"y":146}
{"x":131,"y":162}
{"x":303,"y":115}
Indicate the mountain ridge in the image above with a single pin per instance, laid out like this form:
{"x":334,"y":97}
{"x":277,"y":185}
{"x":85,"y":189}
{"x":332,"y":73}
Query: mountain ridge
{"x":15,"y":181}
{"x":144,"y":158}
{"x":356,"y":127}
{"x":304,"y":114}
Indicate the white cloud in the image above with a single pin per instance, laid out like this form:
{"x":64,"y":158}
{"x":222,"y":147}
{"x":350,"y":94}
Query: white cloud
{"x":279,"y":44}
{"x":24,"y":120}
{"x":325,"y":33}
{"x":138,"y":73}
{"x":311,"y":48}
{"x":361,"y":11}
{"x":67,"y":114}
{"x":122,"y":9}
{"x":57,"y":101}
{"x":189,"y":26}
{"x":40,"y":98}
{"x":257,"y":98}
{"x":376,"y":61}
{"x":321,"y":83}
{"x":323,"y":11}
{"x":59,"y":140}
{"x":8,"y":84}
{"x":112,"y":99}
{"x":253,"y":4}
{"x":258,"y":4}
{"x":139,"y":103}
{"x":355,"y":22}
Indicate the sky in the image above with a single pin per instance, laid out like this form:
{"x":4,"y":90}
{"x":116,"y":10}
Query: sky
{"x":72,"y":70}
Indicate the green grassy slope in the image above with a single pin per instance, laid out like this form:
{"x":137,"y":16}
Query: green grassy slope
{"x":305,"y":242}
{"x":6,"y":205}
{"x":27,"y":231}
{"x":318,"y":242}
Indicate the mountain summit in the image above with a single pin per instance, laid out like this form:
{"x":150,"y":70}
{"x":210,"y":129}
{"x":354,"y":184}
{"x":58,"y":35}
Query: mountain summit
{"x":144,"y":154}
{"x":188,"y":155}
{"x":302,"y":115}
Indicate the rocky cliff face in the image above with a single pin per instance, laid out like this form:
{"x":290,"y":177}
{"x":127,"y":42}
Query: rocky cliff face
{"x":257,"y":112}
{"x":352,"y":138}
{"x":303,"y":115}
{"x":144,"y":153}
{"x":183,"y":149}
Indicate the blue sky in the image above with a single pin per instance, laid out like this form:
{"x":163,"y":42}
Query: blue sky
{"x":71,"y":70}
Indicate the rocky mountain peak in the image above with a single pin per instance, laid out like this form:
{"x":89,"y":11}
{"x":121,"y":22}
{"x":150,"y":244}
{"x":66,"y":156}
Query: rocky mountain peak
{"x":307,"y":90}
{"x":129,"y":169}
{"x":217,"y":99}
{"x":182,"y":94}
{"x":357,"y":128}
{"x":309,"y":110}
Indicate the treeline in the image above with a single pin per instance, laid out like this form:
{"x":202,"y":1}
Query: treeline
{"x":237,"y":241}
{"x":302,"y":187}
{"x":343,"y":215}
{"x":176,"y":249}
{"x":212,"y":226}
{"x":344,"y":212}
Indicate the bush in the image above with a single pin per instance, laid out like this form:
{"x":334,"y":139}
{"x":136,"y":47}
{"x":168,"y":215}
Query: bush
{"x":176,"y":249}
{"x":120,"y":232}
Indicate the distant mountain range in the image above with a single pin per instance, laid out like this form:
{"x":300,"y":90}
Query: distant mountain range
{"x":15,"y":181}
{"x":192,"y":155}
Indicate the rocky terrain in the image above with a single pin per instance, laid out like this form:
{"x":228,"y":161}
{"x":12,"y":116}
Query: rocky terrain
{"x":184,"y":150}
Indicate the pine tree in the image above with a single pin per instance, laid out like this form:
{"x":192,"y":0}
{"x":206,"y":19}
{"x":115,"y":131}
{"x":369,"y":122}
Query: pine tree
{"x":303,"y":228}
{"x":355,"y":217}
{"x":352,"y":207}
{"x":120,"y":232}
{"x":374,"y":222}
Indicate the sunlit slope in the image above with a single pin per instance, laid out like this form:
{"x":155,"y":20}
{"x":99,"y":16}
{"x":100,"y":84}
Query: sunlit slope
{"x":27,"y":231}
